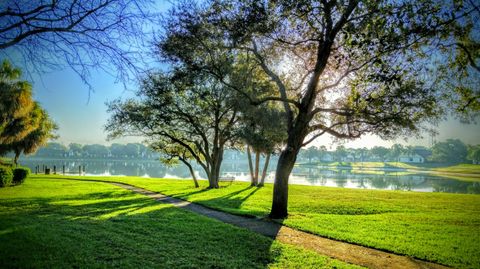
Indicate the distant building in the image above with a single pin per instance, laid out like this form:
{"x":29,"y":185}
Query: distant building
{"x":411,"y":158}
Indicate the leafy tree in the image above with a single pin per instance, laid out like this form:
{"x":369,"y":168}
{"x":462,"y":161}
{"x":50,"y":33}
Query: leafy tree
{"x":474,"y":154}
{"x":105,"y":34}
{"x":395,"y":151}
{"x":96,"y":150}
{"x":76,"y":149}
{"x":343,"y":68}
{"x":52,"y":149}
{"x":381,"y":152}
{"x":310,"y":153}
{"x":36,"y":138}
{"x":340,"y":153}
{"x":184,"y":111}
{"x":16,"y":105}
{"x":452,"y":151}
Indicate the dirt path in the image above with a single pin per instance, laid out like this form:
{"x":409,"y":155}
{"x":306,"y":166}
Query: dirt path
{"x":350,"y":253}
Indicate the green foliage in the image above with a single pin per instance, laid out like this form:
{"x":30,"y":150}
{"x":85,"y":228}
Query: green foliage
{"x":6,"y":176}
{"x":95,"y":225}
{"x":20,"y":174}
{"x":452,"y":150}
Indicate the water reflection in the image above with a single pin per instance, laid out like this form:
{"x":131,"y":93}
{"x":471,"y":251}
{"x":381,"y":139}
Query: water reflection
{"x":317,"y":176}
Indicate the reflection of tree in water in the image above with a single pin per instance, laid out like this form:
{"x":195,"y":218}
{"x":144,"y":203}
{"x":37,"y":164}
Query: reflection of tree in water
{"x":378,"y":181}
{"x":455,"y":186}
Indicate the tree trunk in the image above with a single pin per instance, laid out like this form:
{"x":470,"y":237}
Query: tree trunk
{"x":191,"y":172}
{"x":280,"y":187}
{"x":15,"y":159}
{"x":217,"y":159}
{"x":250,"y":165}
{"x":257,"y":164}
{"x":265,"y":168}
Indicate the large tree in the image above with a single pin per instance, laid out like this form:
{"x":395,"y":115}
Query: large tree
{"x":84,"y":35}
{"x":192,"y":114}
{"x":343,"y":68}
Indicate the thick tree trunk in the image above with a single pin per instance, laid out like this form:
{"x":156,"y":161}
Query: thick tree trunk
{"x":257,"y":164}
{"x":264,"y":172}
{"x":250,"y":166}
{"x":214,"y":174}
{"x":280,"y":187}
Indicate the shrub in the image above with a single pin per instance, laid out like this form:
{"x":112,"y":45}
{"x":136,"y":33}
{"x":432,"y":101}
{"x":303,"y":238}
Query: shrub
{"x":20,"y":174}
{"x":6,"y":176}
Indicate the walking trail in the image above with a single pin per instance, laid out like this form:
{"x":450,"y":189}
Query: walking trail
{"x":354,"y":254}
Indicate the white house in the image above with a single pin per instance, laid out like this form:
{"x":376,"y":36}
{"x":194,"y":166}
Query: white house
{"x":413,"y":158}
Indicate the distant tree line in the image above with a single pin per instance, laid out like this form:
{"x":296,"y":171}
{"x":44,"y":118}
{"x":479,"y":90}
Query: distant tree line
{"x":114,"y":151}
{"x":449,"y":151}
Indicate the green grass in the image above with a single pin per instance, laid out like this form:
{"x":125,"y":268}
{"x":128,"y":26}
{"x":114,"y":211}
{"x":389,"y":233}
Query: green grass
{"x":439,"y":227}
{"x":473,"y":170}
{"x":54,"y":223}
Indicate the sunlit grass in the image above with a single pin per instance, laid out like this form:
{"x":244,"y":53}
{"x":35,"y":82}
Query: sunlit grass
{"x":48,"y":223}
{"x":438,"y":227}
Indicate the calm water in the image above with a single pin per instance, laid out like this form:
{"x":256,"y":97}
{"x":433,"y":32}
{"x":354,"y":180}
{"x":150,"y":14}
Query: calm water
{"x":314,"y":176}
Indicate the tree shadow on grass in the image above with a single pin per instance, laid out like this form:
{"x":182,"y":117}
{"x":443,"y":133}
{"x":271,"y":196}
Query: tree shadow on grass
{"x":121,"y":230}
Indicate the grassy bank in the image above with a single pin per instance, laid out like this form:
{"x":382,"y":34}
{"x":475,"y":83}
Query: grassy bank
{"x":49,"y":223}
{"x":438,"y":227}
{"x":471,"y":169}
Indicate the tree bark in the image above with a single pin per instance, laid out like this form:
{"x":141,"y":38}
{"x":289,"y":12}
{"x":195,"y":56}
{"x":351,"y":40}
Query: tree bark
{"x":257,"y":164}
{"x":265,"y":168}
{"x":250,"y":165}
{"x":195,"y":181}
{"x":280,"y":187}
{"x":17,"y":155}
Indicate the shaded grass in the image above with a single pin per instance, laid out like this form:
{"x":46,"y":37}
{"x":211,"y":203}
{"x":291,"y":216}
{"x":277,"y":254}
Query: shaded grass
{"x":49,"y":223}
{"x":439,"y":227}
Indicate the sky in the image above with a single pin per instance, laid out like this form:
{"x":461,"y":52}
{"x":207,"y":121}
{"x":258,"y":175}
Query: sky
{"x":81,"y":115}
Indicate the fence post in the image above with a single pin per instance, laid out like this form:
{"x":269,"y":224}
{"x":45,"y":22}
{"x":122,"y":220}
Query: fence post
{"x":63,"y":169}
{"x":54,"y":169}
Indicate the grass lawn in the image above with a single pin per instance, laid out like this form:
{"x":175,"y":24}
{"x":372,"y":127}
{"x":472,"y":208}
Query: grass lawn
{"x":438,"y":227}
{"x":54,"y":223}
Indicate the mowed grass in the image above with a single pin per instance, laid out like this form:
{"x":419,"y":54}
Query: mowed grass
{"x":54,"y":223}
{"x":438,"y":227}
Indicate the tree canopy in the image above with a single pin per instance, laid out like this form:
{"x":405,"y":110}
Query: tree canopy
{"x":192,"y":113}
{"x":343,"y":68}
{"x":102,"y":34}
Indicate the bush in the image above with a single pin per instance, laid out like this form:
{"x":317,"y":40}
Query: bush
{"x":6,"y":176}
{"x":20,"y":174}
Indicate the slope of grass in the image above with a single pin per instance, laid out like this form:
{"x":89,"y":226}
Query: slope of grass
{"x":47,"y":223}
{"x":438,"y":227}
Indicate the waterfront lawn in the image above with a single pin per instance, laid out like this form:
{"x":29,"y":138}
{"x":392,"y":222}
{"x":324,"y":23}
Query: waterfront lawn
{"x":47,"y":223}
{"x":438,"y":227}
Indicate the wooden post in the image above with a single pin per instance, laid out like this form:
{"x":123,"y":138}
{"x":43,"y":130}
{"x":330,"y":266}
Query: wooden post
{"x":54,"y":169}
{"x":63,"y":169}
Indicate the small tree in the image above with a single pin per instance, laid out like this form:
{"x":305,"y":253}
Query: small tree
{"x":186,"y":111}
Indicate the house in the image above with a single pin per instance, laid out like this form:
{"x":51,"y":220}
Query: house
{"x":411,"y":158}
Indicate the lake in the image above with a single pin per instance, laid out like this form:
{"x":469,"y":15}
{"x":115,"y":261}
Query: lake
{"x":304,"y":175}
